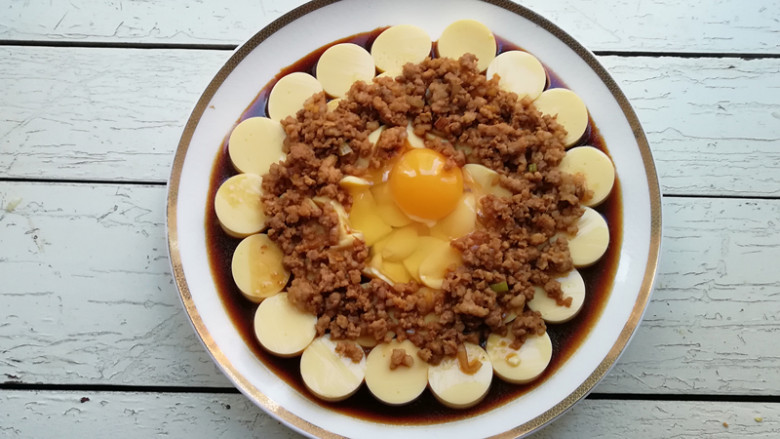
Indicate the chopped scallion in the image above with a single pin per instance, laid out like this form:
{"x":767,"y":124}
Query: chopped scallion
{"x":501,"y":287}
{"x":532,"y":167}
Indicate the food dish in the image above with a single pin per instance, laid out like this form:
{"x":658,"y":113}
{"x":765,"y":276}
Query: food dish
{"x":429,"y":205}
{"x":567,"y":388}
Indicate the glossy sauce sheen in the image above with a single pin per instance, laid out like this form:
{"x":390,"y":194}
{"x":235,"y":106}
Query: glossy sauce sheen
{"x":566,"y":338}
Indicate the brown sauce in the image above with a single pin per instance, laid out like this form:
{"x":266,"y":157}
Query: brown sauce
{"x":566,"y":338}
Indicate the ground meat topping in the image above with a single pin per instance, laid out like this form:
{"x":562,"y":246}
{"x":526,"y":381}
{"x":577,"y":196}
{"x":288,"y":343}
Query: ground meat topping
{"x":350,"y":350}
{"x":399,"y":358}
{"x":467,"y":118}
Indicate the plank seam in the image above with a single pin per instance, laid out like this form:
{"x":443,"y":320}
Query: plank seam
{"x":231,"y":47}
{"x":117,"y":45}
{"x":724,"y":197}
{"x":734,"y":55}
{"x":85,"y":182}
{"x":684,"y":397}
{"x":14,"y":385}
{"x":18,"y":386}
{"x":163,"y":183}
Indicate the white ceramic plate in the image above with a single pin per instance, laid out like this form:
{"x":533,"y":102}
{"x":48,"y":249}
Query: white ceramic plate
{"x":308,"y":28}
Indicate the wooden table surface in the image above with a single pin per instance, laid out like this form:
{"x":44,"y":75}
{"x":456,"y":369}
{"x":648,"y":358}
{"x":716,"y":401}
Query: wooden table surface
{"x":94,"y":94}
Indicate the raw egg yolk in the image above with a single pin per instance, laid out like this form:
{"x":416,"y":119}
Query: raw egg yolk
{"x":422,"y":187}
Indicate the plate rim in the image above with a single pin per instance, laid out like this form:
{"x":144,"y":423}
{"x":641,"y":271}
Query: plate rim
{"x":308,"y":428}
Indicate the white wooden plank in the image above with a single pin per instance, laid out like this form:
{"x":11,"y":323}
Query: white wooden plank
{"x":48,"y":414}
{"x":24,"y":414}
{"x":166,"y":22}
{"x":714,"y":313}
{"x":87,"y":296}
{"x":116,"y":115}
{"x":713,"y":124}
{"x":102,"y":114}
{"x":657,"y":25}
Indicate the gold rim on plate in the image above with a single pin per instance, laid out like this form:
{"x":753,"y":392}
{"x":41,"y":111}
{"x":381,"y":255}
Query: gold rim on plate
{"x":303,"y":425}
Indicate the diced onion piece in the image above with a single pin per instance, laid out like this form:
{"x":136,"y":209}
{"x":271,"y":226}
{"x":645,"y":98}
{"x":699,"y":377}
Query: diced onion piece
{"x":373,"y":137}
{"x":414,"y":140}
{"x":351,"y":182}
{"x":333,"y":104}
{"x":345,"y":149}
